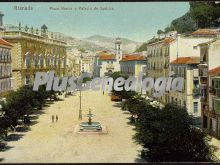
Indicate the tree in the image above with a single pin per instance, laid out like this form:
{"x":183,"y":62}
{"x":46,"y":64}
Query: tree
{"x":184,"y":24}
{"x":135,"y":105}
{"x":167,"y":135}
{"x":123,"y":94}
{"x":205,"y":14}
{"x":159,"y":32}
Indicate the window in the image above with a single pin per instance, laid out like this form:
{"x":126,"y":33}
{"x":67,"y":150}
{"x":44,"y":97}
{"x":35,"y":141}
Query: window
{"x":41,"y":61}
{"x":27,"y":60}
{"x":35,"y":60}
{"x":27,"y":79}
{"x":205,"y":121}
{"x":214,"y":124}
{"x":195,"y":107}
{"x":217,"y":105}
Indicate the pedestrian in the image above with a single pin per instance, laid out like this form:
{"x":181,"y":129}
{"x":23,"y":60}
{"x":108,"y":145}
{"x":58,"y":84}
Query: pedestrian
{"x":56,"y":118}
{"x":103,"y":92}
{"x":52,"y":118}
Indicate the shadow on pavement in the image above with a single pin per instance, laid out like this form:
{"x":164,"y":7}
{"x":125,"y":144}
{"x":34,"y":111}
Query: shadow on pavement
{"x":5,"y":148}
{"x":126,"y":113}
{"x":117,"y":104}
{"x":40,"y":112}
{"x":33,"y":123}
{"x":33,"y":117}
{"x":13,"y":137}
{"x":46,"y":105}
{"x":22,"y":128}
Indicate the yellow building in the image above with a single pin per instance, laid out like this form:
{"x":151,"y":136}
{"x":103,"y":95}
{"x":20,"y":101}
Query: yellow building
{"x":34,"y":51}
{"x":158,"y":60}
{"x":5,"y":68}
{"x":133,"y":64}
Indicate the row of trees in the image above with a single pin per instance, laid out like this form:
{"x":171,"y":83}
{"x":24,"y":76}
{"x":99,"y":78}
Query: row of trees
{"x":166,"y":133}
{"x":20,"y":104}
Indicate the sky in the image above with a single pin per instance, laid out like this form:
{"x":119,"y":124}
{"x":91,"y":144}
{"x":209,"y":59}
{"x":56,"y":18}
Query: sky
{"x":138,"y":21}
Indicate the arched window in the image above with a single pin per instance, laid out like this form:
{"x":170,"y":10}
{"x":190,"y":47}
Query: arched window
{"x":41,"y":61}
{"x":35,"y":60}
{"x":59,"y":61}
{"x":52,"y":60}
{"x":55,"y":61}
{"x":48,"y":60}
{"x":64,"y":62}
{"x":27,"y":60}
{"x":27,"y":79}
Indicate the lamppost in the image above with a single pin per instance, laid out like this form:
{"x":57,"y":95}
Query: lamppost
{"x":80,"y":92}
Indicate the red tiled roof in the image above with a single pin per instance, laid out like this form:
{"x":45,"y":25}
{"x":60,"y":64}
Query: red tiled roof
{"x":133,"y":57}
{"x":106,"y":55}
{"x":205,"y":32}
{"x":215,"y":71}
{"x":186,"y":60}
{"x":5,"y":43}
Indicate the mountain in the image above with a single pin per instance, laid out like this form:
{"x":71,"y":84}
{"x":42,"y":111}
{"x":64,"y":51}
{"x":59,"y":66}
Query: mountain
{"x":75,"y":43}
{"x":128,"y":46}
{"x":98,"y":42}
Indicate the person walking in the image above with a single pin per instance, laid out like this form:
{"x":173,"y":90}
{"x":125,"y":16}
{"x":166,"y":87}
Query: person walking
{"x":103,"y":93}
{"x":56,"y":118}
{"x":52,"y":118}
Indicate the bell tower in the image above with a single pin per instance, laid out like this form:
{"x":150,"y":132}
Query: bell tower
{"x":118,"y":50}
{"x":1,"y":20}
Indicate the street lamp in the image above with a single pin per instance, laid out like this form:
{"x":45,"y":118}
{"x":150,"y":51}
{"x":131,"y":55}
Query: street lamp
{"x":80,"y":92}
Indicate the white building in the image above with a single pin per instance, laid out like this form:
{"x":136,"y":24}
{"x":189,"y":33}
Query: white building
{"x":161,"y":52}
{"x":107,"y":62}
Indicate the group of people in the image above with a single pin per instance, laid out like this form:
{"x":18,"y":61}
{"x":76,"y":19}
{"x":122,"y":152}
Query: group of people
{"x":54,"y":117}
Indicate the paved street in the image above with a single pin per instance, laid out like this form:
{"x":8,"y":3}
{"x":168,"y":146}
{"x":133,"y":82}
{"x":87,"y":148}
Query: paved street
{"x":57,"y":142}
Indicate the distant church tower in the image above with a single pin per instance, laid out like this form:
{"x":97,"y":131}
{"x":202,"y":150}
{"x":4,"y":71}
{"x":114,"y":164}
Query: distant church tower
{"x":1,"y":20}
{"x":118,"y":50}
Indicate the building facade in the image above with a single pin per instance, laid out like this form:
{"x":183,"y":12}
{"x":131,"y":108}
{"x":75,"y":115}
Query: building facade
{"x":5,"y":68}
{"x":212,"y":122}
{"x":186,"y":67}
{"x":106,"y":62}
{"x":161,"y":52}
{"x":133,"y":64}
{"x":34,"y":51}
{"x":209,"y":72}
